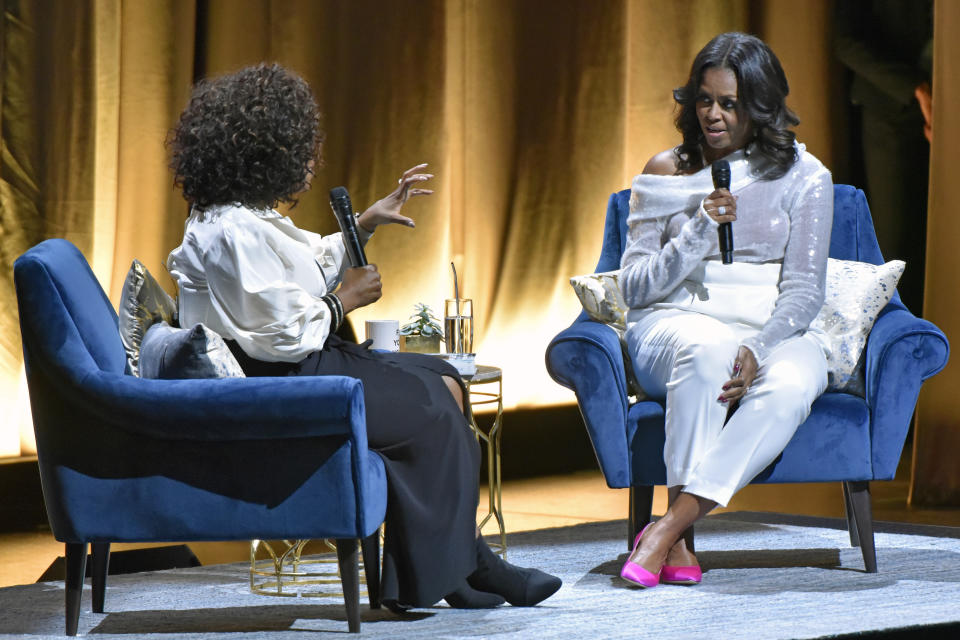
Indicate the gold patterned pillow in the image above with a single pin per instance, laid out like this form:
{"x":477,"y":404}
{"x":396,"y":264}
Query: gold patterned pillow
{"x":600,"y":296}
{"x":143,"y":302}
{"x":599,"y":293}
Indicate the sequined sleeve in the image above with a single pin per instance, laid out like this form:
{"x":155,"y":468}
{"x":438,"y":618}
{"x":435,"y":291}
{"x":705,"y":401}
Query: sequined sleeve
{"x":803,"y":274}
{"x":652,"y":268}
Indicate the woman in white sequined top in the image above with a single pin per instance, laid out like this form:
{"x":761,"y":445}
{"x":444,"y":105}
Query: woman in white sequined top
{"x":727,"y":346}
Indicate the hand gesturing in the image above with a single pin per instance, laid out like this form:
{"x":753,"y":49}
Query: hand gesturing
{"x":387,"y":209}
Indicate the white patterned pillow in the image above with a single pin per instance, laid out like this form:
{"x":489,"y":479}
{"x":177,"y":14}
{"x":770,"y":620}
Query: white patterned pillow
{"x":855,"y":293}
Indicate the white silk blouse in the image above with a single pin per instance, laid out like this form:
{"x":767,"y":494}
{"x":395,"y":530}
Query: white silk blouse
{"x":784,"y":221}
{"x":254,"y":277}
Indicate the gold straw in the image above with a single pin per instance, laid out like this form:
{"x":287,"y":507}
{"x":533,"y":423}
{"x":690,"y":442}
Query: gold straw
{"x":456,"y":287}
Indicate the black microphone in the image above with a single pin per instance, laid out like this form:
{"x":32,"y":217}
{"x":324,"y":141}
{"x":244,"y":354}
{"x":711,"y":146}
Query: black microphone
{"x":343,"y":210}
{"x":721,"y":180}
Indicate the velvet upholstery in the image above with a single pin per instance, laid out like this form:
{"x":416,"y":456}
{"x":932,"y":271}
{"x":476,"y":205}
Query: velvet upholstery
{"x":845,"y":438}
{"x":125,"y":459}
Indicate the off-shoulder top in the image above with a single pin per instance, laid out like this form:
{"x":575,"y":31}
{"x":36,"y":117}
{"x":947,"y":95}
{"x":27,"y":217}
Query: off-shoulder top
{"x":785,"y":220}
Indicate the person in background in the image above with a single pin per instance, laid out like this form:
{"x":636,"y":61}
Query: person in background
{"x":887,"y":49}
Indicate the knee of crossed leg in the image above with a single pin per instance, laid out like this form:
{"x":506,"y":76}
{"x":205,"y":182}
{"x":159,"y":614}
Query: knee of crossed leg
{"x":708,"y":360}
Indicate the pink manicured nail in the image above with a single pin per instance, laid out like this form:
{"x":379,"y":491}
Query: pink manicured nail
{"x":736,"y":368}
{"x":722,"y":399}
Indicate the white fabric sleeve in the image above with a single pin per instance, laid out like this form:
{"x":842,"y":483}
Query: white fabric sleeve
{"x":804,"y":271}
{"x":330,"y":253}
{"x":271,"y":318}
{"x":650,"y":268}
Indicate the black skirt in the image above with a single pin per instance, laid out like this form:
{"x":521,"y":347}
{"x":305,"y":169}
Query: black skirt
{"x":431,"y":456}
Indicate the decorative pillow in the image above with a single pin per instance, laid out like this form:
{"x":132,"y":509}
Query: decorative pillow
{"x":142,"y":303}
{"x":171,"y":353}
{"x":600,"y":296}
{"x":599,"y":293}
{"x":855,"y":294}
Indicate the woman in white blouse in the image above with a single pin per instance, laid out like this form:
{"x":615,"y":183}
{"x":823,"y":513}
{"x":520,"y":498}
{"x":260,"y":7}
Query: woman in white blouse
{"x":247,"y":142}
{"x":728,"y":346}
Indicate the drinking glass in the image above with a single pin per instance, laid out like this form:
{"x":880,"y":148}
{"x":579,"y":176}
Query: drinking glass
{"x":458,"y":325}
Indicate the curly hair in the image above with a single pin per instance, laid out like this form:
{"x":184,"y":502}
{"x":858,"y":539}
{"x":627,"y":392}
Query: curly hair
{"x":247,"y":137}
{"x":762,"y":90}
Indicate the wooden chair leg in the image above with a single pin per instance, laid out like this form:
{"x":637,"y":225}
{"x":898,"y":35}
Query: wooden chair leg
{"x":100,"y":552}
{"x":350,"y":579}
{"x":371,"y":566}
{"x":76,"y":556}
{"x":851,"y":517}
{"x":859,"y":492}
{"x":641,"y":506}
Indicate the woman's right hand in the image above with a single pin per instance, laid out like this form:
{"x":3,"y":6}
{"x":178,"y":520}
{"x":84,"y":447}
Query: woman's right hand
{"x":360,"y":286}
{"x":721,"y":198}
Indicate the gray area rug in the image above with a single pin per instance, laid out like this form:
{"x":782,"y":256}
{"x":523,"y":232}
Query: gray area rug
{"x":767,"y":576}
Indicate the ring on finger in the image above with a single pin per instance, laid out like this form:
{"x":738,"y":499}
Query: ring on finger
{"x":721,"y":210}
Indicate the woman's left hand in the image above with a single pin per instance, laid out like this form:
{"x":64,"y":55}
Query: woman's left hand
{"x":744,"y":372}
{"x":387,"y":210}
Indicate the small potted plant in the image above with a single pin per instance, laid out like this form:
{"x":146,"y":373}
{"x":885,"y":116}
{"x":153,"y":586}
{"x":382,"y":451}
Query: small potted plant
{"x":423,"y":334}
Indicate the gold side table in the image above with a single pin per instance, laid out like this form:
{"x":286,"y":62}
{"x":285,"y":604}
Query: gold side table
{"x":487,"y":375}
{"x":280,"y":568}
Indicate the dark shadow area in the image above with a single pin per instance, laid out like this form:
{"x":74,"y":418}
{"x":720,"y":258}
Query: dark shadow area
{"x":21,"y":498}
{"x":177,"y":556}
{"x":241,"y":619}
{"x":542,"y":441}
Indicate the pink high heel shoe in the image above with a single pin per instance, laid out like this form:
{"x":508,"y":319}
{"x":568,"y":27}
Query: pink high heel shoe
{"x":634,"y":573}
{"x":680,"y":575}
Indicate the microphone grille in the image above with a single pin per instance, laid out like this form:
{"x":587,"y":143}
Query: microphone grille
{"x":721,"y":174}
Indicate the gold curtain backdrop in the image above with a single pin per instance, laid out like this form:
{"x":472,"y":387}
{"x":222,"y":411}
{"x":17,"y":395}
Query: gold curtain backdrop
{"x":530,"y":112}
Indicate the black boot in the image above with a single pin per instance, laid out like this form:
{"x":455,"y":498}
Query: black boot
{"x":396,"y":607}
{"x":466,"y":598}
{"x":521,"y":587}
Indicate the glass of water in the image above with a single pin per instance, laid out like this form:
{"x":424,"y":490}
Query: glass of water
{"x":458,"y":325}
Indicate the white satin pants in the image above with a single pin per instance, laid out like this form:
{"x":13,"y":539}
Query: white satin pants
{"x":686,"y":357}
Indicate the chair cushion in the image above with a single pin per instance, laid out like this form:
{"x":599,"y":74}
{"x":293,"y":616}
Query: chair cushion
{"x":198,"y":352}
{"x":143,"y":302}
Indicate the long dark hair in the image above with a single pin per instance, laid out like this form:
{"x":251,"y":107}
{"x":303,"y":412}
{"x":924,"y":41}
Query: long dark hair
{"x":247,"y":137}
{"x":762,"y":90}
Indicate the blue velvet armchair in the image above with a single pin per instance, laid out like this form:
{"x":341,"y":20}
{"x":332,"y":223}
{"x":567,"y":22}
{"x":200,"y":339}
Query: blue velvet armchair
{"x":123,"y":459}
{"x":846,"y":438}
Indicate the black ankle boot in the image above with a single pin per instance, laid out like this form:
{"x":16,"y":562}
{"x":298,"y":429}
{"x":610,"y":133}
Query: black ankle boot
{"x":467,"y":598}
{"x":396,"y":607}
{"x":521,"y":587}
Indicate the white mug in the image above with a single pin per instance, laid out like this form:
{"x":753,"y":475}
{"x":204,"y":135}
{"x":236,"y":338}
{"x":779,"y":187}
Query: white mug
{"x":384,"y":333}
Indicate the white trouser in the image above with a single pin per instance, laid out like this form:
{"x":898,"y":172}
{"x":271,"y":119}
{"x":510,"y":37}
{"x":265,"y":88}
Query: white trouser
{"x":686,"y":357}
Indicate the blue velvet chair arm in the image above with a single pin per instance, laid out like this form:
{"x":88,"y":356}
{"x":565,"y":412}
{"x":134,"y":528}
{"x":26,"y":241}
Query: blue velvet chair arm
{"x":587,"y":358}
{"x":228,"y":409}
{"x":902,"y":351}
